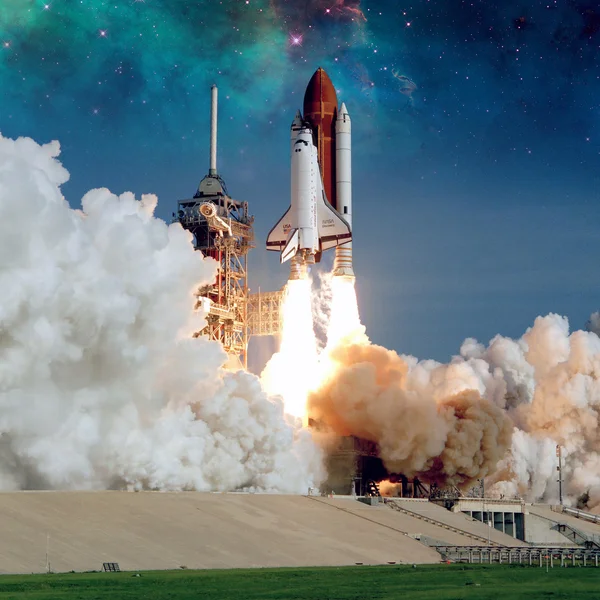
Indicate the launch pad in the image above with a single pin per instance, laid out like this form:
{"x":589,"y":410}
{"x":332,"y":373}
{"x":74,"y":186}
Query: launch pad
{"x":354,"y":468}
{"x":320,"y":211}
{"x":223,"y":230}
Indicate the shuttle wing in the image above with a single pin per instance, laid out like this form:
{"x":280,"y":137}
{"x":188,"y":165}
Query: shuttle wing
{"x":278,"y":236}
{"x":333,"y":229}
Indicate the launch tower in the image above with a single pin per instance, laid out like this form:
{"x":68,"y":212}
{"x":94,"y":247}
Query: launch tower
{"x":222,"y":229}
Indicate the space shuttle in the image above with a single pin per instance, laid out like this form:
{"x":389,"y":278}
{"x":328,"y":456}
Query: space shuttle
{"x":320,"y":176}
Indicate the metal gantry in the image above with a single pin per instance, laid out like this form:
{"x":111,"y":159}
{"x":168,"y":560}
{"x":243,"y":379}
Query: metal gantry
{"x":222,"y":229}
{"x":265,"y":312}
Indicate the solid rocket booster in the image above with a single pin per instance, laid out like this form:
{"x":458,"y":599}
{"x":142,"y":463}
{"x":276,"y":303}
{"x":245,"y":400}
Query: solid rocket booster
{"x":320,"y":213}
{"x":342,"y":266}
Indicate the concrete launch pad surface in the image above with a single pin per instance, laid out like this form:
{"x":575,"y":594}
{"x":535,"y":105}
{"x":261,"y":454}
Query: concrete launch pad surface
{"x":459,"y":521}
{"x":544,"y":511}
{"x":153,"y":530}
{"x":436,"y":532}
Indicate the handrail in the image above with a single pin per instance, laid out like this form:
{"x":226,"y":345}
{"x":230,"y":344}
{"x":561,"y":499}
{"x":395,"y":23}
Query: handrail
{"x":474,"y":536}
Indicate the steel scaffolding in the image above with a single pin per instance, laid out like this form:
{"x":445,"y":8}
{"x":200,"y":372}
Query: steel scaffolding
{"x":264,"y":312}
{"x":222,"y":229}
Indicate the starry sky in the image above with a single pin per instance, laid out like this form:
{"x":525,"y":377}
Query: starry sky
{"x":476,"y":191}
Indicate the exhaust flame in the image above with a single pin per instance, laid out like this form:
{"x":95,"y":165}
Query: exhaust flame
{"x":292,"y":373}
{"x":344,"y":324}
{"x":298,"y":369}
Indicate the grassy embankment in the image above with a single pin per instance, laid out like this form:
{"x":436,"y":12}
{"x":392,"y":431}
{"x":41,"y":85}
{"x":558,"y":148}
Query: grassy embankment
{"x":439,"y":582}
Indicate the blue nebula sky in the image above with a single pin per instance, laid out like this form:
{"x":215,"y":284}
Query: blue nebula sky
{"x":476,"y":195}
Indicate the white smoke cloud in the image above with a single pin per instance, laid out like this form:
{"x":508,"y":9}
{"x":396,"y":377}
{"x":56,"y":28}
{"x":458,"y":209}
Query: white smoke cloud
{"x":428,"y":419}
{"x":100,"y":383}
{"x":553,"y":392}
{"x":436,"y":421}
{"x":102,"y":386}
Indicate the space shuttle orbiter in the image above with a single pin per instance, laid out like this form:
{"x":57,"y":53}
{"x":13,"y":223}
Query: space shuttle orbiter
{"x":311,"y":225}
{"x":320,"y":181}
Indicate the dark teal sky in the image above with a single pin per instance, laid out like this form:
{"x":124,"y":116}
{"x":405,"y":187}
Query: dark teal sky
{"x":476,"y":199}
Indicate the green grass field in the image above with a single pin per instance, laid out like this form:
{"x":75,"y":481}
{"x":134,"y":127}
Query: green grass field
{"x":439,"y":582}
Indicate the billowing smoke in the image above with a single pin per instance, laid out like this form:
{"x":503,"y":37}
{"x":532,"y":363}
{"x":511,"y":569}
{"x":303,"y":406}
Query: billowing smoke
{"x":427,"y":419}
{"x":100,"y":383}
{"x":497,"y":411}
{"x":553,"y":398}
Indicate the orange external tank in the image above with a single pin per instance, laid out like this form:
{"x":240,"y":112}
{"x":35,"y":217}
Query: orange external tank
{"x":320,"y":111}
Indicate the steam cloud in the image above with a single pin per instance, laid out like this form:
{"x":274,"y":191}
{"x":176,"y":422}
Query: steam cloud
{"x":429,"y":420}
{"x":497,"y":411}
{"x":100,"y":383}
{"x":553,"y":397}
{"x":102,"y":386}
